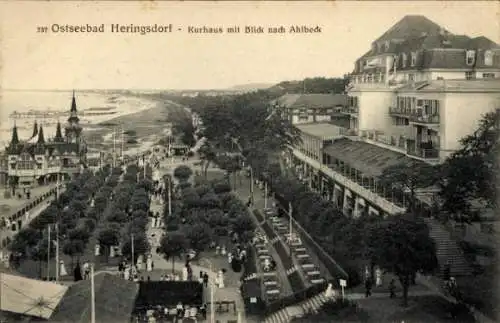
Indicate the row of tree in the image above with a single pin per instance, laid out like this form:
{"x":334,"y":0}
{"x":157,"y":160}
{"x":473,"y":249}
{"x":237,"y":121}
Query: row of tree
{"x":205,"y":213}
{"x":126,"y":214}
{"x":69,"y":211}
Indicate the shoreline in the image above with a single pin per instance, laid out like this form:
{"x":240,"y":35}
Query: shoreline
{"x":142,"y":129}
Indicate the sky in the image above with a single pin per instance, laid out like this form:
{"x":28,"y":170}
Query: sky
{"x":182,"y":60}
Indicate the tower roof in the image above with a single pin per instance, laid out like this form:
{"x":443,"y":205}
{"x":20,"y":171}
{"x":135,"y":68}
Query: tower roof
{"x":73,"y":116}
{"x":58,"y":137}
{"x":35,"y":130}
{"x":41,"y":138}
{"x":15,"y":138}
{"x":73,"y":103}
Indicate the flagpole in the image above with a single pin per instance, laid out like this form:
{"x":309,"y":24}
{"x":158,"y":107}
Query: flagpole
{"x":122,"y":145}
{"x":57,"y":252}
{"x":132,"y":247}
{"x":169,"y":198}
{"x":265,"y":195}
{"x":48,"y":256}
{"x":114,"y":147}
{"x":92,"y":294}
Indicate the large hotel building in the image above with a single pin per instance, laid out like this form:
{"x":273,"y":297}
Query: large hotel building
{"x":412,"y":97}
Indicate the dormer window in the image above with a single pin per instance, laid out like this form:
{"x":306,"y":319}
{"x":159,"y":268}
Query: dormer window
{"x":488,"y":58}
{"x":405,"y":58}
{"x":470,"y":57}
{"x":413,"y":59}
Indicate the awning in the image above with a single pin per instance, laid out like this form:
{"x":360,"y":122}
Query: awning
{"x":368,"y":159}
{"x":29,"y":296}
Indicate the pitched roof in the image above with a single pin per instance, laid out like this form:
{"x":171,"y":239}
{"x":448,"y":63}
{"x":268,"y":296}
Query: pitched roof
{"x":368,"y":159}
{"x":410,"y":26}
{"x":29,"y":296}
{"x":312,"y":100}
{"x":321,"y":130}
{"x":114,"y":300}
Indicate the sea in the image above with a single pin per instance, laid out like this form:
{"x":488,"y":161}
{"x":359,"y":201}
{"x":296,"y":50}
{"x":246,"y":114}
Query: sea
{"x":47,"y":107}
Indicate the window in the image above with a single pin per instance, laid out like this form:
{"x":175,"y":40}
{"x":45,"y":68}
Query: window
{"x":470,"y":75}
{"x":413,"y":59}
{"x":387,"y":45}
{"x":488,"y":58}
{"x":405,"y":58}
{"x":470,"y":57}
{"x":411,"y":77}
{"x":488,"y":75}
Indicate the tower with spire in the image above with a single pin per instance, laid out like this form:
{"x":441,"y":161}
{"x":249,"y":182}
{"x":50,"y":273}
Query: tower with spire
{"x":73,"y":128}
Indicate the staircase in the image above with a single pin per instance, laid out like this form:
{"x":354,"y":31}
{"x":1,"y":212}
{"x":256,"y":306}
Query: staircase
{"x":285,"y":315}
{"x":447,"y":250}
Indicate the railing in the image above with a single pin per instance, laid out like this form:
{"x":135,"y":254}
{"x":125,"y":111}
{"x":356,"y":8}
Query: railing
{"x":415,"y":115}
{"x":350,"y":110}
{"x":296,"y":298}
{"x":348,"y":132}
{"x":426,"y":153}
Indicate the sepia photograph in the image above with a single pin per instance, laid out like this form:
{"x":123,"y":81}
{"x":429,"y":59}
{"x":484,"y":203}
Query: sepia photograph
{"x":249,"y":161}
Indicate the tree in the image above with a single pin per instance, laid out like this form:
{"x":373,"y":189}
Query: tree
{"x":173,"y":245}
{"x":183,"y":126}
{"x":182,"y":173}
{"x":73,"y":248}
{"x":409,"y":177}
{"x":243,"y":226}
{"x":470,"y":174}
{"x":118,"y":216}
{"x":108,"y":237}
{"x":141,"y":246}
{"x":207,"y":155}
{"x":402,"y":245}
{"x":199,"y":236}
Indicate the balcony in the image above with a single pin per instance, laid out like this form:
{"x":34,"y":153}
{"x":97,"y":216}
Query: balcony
{"x":394,"y":142}
{"x":352,"y":111}
{"x":415,"y":116}
{"x":422,"y":150}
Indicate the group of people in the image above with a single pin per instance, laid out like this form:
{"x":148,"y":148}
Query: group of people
{"x":160,"y":313}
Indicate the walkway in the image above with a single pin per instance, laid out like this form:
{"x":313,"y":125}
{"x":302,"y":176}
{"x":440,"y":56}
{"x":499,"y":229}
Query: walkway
{"x":231,"y":290}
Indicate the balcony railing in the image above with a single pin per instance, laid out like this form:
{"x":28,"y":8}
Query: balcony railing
{"x":421,"y":150}
{"x":415,"y":115}
{"x":397,"y":141}
{"x":350,"y":110}
{"x":428,"y":153}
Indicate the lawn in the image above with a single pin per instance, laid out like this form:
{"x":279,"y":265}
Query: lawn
{"x":296,"y":282}
{"x":268,"y":230}
{"x":285,"y":258}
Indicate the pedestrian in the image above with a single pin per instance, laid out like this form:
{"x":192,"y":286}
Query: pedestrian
{"x":205,"y":279}
{"x":86,"y":270}
{"x":392,"y":288}
{"x":368,"y":287}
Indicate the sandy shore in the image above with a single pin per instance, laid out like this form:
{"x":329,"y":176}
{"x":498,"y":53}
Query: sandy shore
{"x":142,"y":129}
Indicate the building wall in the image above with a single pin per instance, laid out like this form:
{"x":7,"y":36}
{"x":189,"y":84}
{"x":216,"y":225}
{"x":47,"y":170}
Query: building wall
{"x":373,"y":109}
{"x":461,"y":115}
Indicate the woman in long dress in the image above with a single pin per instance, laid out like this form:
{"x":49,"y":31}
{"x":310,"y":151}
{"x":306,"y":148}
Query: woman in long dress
{"x":62,"y":269}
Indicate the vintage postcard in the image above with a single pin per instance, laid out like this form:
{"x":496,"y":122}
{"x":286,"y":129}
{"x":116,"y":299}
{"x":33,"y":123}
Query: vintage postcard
{"x":249,"y":161}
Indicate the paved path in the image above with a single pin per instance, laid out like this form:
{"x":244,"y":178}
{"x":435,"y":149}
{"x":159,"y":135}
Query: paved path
{"x":231,"y":290}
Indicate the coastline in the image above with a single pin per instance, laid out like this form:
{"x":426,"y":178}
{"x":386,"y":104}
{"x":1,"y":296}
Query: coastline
{"x":142,"y":129}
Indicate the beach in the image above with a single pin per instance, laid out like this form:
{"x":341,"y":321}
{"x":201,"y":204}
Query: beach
{"x":142,"y":119}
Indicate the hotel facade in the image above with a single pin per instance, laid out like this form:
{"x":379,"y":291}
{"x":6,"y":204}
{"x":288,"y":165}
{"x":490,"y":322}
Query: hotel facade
{"x":412,"y":97}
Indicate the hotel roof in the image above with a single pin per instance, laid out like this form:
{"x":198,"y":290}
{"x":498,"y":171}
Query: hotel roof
{"x":312,"y":100}
{"x":368,"y":159}
{"x":321,"y":130}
